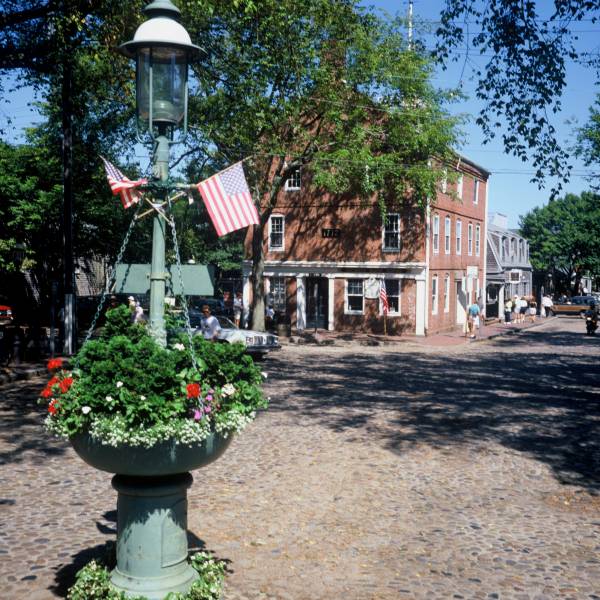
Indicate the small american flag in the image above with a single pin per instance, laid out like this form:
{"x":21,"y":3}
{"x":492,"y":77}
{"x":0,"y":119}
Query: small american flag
{"x":228,"y":200}
{"x":383,"y":297}
{"x":119,"y":184}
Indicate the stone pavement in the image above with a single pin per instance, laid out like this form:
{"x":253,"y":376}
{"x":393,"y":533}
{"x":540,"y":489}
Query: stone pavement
{"x":378,"y":473}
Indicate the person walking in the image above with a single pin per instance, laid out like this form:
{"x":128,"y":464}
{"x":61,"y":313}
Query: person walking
{"x":508,"y":307}
{"x":532,"y":309}
{"x":546,"y":305}
{"x":473,"y":319}
{"x":209,"y":324}
{"x":238,"y":307}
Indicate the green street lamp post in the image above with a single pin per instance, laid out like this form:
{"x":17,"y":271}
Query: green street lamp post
{"x":162,"y":49}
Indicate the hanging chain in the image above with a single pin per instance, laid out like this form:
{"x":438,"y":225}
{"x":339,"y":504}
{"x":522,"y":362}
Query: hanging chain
{"x":110,"y":280}
{"x":186,"y":314}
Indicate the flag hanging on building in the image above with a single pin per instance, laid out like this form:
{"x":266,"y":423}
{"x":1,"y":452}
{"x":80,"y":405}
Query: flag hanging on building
{"x":383,"y":297}
{"x":119,"y":184}
{"x":228,"y":200}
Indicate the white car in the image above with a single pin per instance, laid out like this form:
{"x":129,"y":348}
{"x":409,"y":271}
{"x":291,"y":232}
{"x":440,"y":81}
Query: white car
{"x":258,"y":343}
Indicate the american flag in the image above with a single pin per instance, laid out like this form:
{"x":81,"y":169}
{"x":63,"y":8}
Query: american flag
{"x":119,"y":184}
{"x":228,"y":200}
{"x":383,"y":297}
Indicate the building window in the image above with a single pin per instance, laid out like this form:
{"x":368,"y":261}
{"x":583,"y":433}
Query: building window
{"x":512,"y":248}
{"x":279,"y":293}
{"x":520,"y":249}
{"x":458,"y":236}
{"x":434,"y":295}
{"x":477,"y":240}
{"x":392,"y":288}
{"x":293,"y":183}
{"x":436,"y":234}
{"x":459,"y":186}
{"x":447,"y":293}
{"x":470,"y":239}
{"x":276,"y":232}
{"x":354,"y":296}
{"x":447,"y":233}
{"x":476,"y":191}
{"x":445,"y":181}
{"x":391,"y":232}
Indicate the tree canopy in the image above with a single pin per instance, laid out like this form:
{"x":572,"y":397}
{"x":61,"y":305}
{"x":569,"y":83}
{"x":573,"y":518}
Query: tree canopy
{"x":526,"y":46}
{"x":564,"y":238}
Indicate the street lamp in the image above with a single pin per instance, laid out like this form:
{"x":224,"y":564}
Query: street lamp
{"x":162,"y":49}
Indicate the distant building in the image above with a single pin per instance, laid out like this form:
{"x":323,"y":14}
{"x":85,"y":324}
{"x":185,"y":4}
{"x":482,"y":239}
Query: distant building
{"x":508,"y":268}
{"x":326,"y":257}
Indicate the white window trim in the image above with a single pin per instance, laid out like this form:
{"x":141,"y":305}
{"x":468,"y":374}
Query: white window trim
{"x":477,"y":240}
{"x":476,"y":191}
{"x":447,"y":293}
{"x":436,"y":234}
{"x":447,"y":235}
{"x":383,"y":246}
{"x":347,"y":311}
{"x":458,"y":245}
{"x":470,"y":239}
{"x":434,"y":299}
{"x":291,"y":188}
{"x":391,"y":313}
{"x":445,"y":182}
{"x":459,"y":185}
{"x":282,"y":247}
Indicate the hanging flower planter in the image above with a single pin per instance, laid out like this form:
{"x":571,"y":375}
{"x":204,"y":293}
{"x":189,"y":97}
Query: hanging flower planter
{"x":151,"y":414}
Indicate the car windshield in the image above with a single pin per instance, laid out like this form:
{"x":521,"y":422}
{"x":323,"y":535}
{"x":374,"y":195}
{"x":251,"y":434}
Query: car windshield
{"x":225,"y":323}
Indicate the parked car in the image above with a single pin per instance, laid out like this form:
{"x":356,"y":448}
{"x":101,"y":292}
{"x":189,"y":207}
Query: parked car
{"x":6,"y":316}
{"x":258,"y":343}
{"x":577,"y":305}
{"x":217,"y":306}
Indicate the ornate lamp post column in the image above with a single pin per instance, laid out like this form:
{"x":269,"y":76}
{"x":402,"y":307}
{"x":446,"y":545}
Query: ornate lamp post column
{"x":162,"y":49}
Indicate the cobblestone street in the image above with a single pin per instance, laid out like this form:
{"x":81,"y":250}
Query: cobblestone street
{"x":378,"y":473}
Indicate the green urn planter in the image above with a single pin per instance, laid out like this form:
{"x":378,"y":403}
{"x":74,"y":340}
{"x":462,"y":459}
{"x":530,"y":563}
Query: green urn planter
{"x":152,"y":483}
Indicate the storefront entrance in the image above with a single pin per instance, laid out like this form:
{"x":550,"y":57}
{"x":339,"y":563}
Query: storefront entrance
{"x":316,"y":302}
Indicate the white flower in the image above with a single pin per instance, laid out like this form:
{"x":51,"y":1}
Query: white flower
{"x":119,"y":384}
{"x":109,"y":398}
{"x":265,"y":375}
{"x":142,"y":397}
{"x":85,"y":409}
{"x":179,"y":347}
{"x":228,"y":389}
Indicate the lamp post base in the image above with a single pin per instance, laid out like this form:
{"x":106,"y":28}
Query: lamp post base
{"x":152,"y":549}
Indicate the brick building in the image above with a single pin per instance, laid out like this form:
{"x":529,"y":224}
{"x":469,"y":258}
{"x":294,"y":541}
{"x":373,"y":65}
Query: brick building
{"x":325,"y":257}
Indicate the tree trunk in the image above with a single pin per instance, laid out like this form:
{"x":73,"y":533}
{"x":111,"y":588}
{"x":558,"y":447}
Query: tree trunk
{"x":258,"y":268}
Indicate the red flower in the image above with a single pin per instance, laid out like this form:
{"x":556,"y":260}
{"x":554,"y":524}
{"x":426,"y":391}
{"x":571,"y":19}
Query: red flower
{"x":47,"y":392}
{"x":193,"y":390}
{"x":65,"y":384}
{"x":55,"y":363}
{"x":53,"y":381}
{"x":53,"y":407}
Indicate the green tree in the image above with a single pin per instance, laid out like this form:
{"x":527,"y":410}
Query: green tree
{"x":526,"y":46}
{"x":321,"y":85}
{"x":588,"y":142}
{"x":564,"y":238}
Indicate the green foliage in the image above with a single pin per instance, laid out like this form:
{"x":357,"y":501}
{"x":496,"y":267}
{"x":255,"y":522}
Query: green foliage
{"x":528,"y":46}
{"x":129,"y":389}
{"x":588,"y":142}
{"x":564,"y":237}
{"x":93,"y":581}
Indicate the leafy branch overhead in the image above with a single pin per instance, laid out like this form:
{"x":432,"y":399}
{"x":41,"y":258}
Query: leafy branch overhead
{"x":526,"y":46}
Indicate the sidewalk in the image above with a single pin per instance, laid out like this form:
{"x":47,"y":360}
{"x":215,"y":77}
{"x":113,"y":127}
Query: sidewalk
{"x":450,"y":338}
{"x":24,"y":370}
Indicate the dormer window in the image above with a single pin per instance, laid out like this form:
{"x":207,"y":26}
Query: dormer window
{"x":293,"y":183}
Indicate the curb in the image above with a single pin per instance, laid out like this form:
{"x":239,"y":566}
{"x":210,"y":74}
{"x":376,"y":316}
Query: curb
{"x":21,"y":374}
{"x":515,"y":331}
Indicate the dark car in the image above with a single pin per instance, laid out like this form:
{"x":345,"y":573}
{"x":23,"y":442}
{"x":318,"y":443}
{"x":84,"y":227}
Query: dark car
{"x":6,"y":316}
{"x":577,"y":305}
{"x":217,"y":306}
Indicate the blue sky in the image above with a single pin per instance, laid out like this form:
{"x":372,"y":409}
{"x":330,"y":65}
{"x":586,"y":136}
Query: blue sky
{"x":510,"y":191}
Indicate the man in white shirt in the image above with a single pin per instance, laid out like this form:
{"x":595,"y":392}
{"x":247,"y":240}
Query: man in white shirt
{"x":209,"y":324}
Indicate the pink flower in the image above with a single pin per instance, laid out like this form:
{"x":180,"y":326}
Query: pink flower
{"x":207,"y":409}
{"x":197,"y":414}
{"x":209,"y":398}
